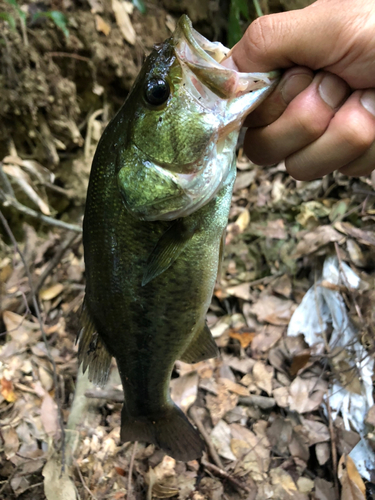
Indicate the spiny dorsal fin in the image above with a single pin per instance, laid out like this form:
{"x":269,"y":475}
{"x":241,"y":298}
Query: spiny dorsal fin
{"x":203,"y":346}
{"x":91,"y":351}
{"x":168,"y":248}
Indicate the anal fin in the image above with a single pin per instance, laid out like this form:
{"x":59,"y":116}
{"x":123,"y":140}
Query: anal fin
{"x":92,"y":353}
{"x":203,"y":346}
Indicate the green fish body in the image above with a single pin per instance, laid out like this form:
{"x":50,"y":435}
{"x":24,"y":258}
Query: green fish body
{"x":156,"y":212}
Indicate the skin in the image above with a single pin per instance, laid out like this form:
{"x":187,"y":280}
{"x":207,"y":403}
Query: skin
{"x":321,"y":116}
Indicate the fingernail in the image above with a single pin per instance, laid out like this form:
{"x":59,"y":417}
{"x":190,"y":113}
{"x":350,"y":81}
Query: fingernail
{"x":368,"y":101}
{"x":229,"y":63}
{"x":332,"y":90}
{"x":294,"y":85}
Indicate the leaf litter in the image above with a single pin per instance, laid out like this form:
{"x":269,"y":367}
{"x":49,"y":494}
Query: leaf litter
{"x":287,"y":411}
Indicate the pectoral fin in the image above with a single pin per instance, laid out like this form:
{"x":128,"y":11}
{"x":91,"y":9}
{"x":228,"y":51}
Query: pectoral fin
{"x":92,"y":353}
{"x":203,"y":346}
{"x":168,"y":249}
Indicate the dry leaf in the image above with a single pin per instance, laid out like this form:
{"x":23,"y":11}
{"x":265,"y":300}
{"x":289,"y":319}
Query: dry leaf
{"x":244,"y":337}
{"x":7,"y":390}
{"x":184,"y":390}
{"x":101,"y":25}
{"x":11,"y":442}
{"x":123,"y":21}
{"x":219,"y":405}
{"x":241,"y":291}
{"x":306,"y":394}
{"x":283,"y":286}
{"x":24,"y":332}
{"x":273,"y":310}
{"x":323,"y":453}
{"x":262,"y":376}
{"x":364,"y":237}
{"x":51,"y":292}
{"x":263,"y":342}
{"x":313,"y":240}
{"x":324,"y":490}
{"x":57,"y":484}
{"x":221,"y":437}
{"x":353,"y":487}
{"x":233,"y":387}
{"x":49,"y":415}
{"x":315,"y":432}
{"x":243,"y":220}
{"x":281,"y":396}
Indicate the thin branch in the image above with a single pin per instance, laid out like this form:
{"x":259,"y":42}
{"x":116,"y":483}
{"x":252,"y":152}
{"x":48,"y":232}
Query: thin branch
{"x":10,"y":201}
{"x":211,"y":448}
{"x":129,"y":496}
{"x":37,"y":311}
{"x":224,"y":474}
{"x":84,"y":484}
{"x":333,"y":446}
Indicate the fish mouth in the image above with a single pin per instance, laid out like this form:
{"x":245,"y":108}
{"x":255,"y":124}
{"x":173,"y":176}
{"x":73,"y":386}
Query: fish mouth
{"x":204,"y":58}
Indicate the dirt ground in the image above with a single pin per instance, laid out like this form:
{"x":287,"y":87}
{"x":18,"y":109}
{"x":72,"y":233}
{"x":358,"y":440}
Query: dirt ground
{"x":269,"y":408}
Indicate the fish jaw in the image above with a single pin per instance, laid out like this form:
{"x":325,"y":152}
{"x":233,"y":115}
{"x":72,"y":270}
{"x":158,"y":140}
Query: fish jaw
{"x":191,"y":142}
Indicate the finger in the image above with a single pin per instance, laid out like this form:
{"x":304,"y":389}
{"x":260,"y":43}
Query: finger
{"x":304,"y":120}
{"x":292,"y":83}
{"x":345,"y":145}
{"x":284,"y":39}
{"x":362,"y":166}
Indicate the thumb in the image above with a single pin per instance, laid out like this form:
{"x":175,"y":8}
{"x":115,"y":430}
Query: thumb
{"x":305,"y":37}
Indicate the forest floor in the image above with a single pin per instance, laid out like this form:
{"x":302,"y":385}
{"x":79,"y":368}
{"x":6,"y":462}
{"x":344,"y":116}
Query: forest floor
{"x":287,"y":410}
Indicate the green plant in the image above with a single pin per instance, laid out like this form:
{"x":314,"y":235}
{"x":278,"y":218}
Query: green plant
{"x":139,"y":4}
{"x":57,"y":17}
{"x":238,"y":9}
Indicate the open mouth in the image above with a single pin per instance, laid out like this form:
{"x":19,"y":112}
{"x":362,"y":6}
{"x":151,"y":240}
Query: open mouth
{"x":203,"y":58}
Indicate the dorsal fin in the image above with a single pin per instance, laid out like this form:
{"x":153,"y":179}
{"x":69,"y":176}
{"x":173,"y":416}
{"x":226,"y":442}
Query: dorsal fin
{"x":92,"y":353}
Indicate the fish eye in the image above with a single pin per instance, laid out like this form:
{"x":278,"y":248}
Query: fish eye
{"x":157,"y":91}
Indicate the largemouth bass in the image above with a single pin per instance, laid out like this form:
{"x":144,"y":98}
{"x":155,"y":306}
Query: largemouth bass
{"x":156,"y":212}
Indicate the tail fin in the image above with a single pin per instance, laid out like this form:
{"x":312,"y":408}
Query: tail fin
{"x":171,"y":431}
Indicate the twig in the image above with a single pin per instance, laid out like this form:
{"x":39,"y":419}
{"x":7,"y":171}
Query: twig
{"x":84,"y":484}
{"x":37,"y":311}
{"x":10,"y":201}
{"x":109,"y":394}
{"x":129,"y":495}
{"x":257,"y":8}
{"x":67,"y":54}
{"x":5,"y":183}
{"x":333,"y":446}
{"x":214,"y":455}
{"x":222,"y":473}
{"x":55,"y":260}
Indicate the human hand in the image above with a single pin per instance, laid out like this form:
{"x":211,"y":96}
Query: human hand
{"x":321,"y":116}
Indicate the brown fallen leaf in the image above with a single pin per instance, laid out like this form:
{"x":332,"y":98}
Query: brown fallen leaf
{"x":353,"y":487}
{"x":101,"y":25}
{"x":315,"y":239}
{"x":271,"y":309}
{"x":364,"y":237}
{"x":306,"y":395}
{"x":220,"y":404}
{"x":324,"y":490}
{"x":262,"y":376}
{"x":245,"y":337}
{"x":283,"y":286}
{"x":184,"y":390}
{"x":7,"y":390}
{"x":235,"y":388}
{"x":241,"y":291}
{"x":51,"y":292}
{"x":123,"y":21}
{"x":11,"y":442}
{"x":49,"y":416}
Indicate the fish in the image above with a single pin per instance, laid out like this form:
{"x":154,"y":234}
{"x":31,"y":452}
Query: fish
{"x":157,"y":208}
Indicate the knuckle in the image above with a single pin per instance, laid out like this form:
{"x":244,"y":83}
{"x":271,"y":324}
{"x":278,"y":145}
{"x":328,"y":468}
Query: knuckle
{"x":259,"y":34}
{"x":356,"y":135}
{"x":310,"y":126}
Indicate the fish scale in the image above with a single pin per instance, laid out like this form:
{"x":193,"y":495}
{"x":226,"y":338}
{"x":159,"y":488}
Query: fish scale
{"x":155,"y":216}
